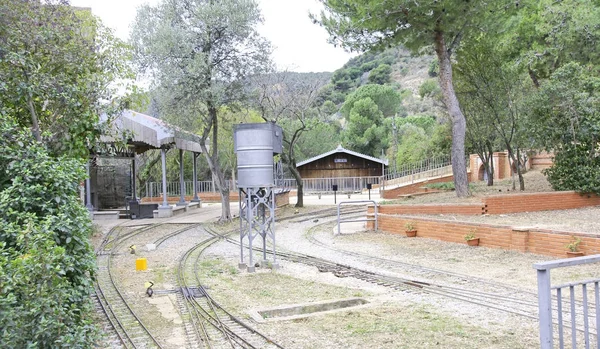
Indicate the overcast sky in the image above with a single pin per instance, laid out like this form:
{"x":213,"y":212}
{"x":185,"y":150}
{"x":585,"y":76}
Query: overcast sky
{"x":299,"y":44}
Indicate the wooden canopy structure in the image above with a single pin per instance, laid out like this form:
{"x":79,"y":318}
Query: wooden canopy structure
{"x":141,"y":133}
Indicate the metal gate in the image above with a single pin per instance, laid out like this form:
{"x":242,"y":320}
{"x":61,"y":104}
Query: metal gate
{"x":113,"y":185}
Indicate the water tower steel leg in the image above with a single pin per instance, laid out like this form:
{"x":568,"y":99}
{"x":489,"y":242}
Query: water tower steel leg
{"x":263,"y":233}
{"x":242,"y":228}
{"x":250,"y":218}
{"x":163,"y":156}
{"x":181,"y":181}
{"x":272,"y":227}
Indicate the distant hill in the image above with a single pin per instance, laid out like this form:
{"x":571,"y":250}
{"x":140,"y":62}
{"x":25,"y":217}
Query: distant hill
{"x":396,"y":67}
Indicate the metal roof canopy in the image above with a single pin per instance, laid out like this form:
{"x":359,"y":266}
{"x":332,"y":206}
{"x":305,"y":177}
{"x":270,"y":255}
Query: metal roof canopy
{"x":148,"y":132}
{"x":341,"y":149}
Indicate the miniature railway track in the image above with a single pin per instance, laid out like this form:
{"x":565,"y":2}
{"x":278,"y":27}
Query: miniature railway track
{"x":205,"y":320}
{"x":514,"y":303}
{"x":164,"y":238}
{"x":504,"y":297}
{"x":126,"y":324}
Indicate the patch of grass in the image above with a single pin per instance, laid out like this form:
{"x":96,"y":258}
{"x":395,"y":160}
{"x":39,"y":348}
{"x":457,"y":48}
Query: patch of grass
{"x":441,"y":186}
{"x":420,"y":326}
{"x":235,"y":290}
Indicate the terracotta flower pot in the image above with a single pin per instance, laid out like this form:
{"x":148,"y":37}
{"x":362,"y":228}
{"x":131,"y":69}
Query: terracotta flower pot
{"x":411,"y":233}
{"x":473,"y":242}
{"x":572,"y":254}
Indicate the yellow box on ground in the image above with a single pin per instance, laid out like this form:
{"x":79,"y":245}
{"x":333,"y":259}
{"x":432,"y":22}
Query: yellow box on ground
{"x":141,"y":264}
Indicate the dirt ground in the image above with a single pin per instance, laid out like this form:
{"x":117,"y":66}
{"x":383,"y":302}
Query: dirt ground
{"x":535,"y":182}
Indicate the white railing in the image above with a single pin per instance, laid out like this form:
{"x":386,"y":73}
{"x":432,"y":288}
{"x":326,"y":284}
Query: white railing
{"x":415,"y":177}
{"x":576,"y":308}
{"x":311,"y":185}
{"x":417,"y":167}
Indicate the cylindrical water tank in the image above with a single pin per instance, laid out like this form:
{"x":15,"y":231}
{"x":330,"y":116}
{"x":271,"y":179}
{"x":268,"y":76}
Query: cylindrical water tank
{"x":253,"y":144}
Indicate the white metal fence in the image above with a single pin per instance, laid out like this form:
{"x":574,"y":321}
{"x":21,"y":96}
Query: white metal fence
{"x":574,"y":306}
{"x":411,"y":178}
{"x":311,"y":185}
{"x":417,"y":167}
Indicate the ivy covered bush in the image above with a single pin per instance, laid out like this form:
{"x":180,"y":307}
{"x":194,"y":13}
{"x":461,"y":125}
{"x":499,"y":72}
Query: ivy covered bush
{"x":46,"y":261}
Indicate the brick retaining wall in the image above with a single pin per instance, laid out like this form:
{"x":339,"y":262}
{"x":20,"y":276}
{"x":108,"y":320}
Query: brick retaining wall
{"x":466,"y":209}
{"x":500,"y":204}
{"x":529,"y":202}
{"x":539,"y":241}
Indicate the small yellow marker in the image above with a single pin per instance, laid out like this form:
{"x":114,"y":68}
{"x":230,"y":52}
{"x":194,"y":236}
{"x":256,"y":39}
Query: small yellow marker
{"x":141,"y":264}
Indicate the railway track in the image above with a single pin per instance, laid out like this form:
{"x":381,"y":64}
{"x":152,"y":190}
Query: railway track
{"x":207,"y":324}
{"x":125,"y":323}
{"x":457,"y":286}
{"x":474,"y":290}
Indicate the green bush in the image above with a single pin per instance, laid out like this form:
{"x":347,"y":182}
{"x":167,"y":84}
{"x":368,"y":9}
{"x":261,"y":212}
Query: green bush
{"x":429,"y":88}
{"x":381,"y":74}
{"x":46,"y":261}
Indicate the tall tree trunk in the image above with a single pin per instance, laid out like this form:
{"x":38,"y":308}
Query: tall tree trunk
{"x":519,"y":171}
{"x":35,"y":124}
{"x":490,"y":180}
{"x":291,"y":163}
{"x":533,"y":77}
{"x":213,"y":164}
{"x":459,"y":124}
{"x":515,"y":160}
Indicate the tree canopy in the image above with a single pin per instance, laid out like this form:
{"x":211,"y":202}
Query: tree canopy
{"x":363,"y":25}
{"x":198,"y":54}
{"x":58,"y":72}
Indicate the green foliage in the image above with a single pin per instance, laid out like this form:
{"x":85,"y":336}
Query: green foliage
{"x":59,"y":68}
{"x":441,"y":186}
{"x":565,"y":118}
{"x":323,"y":137}
{"x":434,"y":69}
{"x":329,"y":108}
{"x":470,"y":235}
{"x":573,"y":246}
{"x":46,"y":261}
{"x":575,"y":168}
{"x":414,"y":145}
{"x":420,"y":138}
{"x":385,"y":97}
{"x":365,"y":131}
{"x":381,"y":74}
{"x":364,"y":25}
{"x":427,"y":123}
{"x":549,"y":34}
{"x":429,"y":88}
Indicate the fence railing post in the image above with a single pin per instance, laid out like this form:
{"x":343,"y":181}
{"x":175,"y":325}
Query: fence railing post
{"x":545,"y":308}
